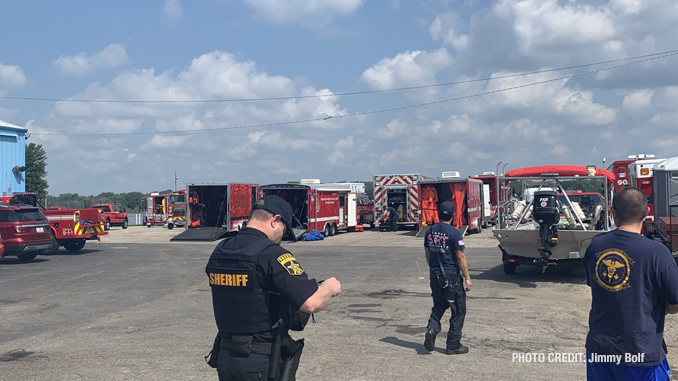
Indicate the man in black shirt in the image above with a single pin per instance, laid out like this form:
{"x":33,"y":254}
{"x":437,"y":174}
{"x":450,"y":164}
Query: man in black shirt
{"x":257,"y":286}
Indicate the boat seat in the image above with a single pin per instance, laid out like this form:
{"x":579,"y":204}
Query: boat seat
{"x":596,"y":216}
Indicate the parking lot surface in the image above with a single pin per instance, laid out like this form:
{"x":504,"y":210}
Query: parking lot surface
{"x":137,"y":307}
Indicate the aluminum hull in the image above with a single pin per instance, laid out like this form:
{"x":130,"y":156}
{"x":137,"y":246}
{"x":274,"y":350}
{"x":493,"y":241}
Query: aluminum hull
{"x":572,"y":244}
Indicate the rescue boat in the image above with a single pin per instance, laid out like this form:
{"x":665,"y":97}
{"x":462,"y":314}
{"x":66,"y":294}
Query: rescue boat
{"x":551,"y":221}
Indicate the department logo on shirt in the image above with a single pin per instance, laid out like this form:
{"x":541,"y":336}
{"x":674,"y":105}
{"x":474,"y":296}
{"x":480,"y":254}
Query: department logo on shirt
{"x":613,"y":268}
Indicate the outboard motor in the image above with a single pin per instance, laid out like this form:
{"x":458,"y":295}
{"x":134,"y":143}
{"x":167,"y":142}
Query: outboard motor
{"x":545,"y":206}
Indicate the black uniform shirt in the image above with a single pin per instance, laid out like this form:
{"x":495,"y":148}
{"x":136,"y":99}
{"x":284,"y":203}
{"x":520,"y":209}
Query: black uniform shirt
{"x":277,"y":271}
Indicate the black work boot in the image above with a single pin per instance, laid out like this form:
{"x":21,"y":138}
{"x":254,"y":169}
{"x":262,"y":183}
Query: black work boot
{"x":460,"y":350}
{"x":430,"y":341}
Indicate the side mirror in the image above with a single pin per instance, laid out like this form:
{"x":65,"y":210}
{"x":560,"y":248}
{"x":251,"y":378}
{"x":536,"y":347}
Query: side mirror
{"x":123,"y":210}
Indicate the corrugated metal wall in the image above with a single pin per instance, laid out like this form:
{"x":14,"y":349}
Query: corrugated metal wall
{"x":12,"y":153}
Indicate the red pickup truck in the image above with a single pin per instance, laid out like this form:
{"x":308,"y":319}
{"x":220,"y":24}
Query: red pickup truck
{"x":112,"y":215}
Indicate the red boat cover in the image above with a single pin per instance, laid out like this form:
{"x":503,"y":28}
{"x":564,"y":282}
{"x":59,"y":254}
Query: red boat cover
{"x":562,"y":170}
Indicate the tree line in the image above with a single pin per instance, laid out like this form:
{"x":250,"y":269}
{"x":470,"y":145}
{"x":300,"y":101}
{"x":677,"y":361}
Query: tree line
{"x":132,"y":202}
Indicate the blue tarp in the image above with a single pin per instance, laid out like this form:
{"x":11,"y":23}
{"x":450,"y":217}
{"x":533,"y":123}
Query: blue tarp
{"x":313,"y":235}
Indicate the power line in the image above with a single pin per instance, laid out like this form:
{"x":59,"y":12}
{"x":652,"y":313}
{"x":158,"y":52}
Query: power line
{"x":363,"y":112}
{"x":668,"y":52}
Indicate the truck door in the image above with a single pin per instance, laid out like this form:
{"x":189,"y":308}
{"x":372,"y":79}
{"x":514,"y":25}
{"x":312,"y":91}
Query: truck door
{"x":352,"y":209}
{"x":342,"y":209}
{"x":149,"y":206}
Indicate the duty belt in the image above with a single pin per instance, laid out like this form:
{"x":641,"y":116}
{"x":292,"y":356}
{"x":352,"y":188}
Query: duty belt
{"x":256,"y":347}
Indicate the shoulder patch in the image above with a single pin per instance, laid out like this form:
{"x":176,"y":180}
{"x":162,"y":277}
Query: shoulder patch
{"x":461,"y":242}
{"x":290,"y":264}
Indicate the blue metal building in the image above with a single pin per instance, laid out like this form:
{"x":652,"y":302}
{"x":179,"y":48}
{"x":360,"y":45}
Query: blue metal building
{"x":12,"y":158}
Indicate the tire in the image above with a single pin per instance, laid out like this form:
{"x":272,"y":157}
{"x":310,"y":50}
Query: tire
{"x":55,"y":246}
{"x":125,"y":224}
{"x":333,"y":229}
{"x":107,"y":225}
{"x":371,"y":225}
{"x":510,"y":268}
{"x":648,"y":229}
{"x":27,"y":257}
{"x":326,"y":231}
{"x":74,"y":244}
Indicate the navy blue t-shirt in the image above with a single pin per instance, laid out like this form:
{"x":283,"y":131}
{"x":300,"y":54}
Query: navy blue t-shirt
{"x":632,"y":279}
{"x":393,"y":212}
{"x":443,"y":240}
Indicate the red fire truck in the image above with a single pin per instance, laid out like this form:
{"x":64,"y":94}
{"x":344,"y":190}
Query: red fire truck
{"x":71,"y":228}
{"x":402,"y":193}
{"x":160,"y":208}
{"x":466,"y":194}
{"x":318,"y":207}
{"x":637,"y":171}
{"x":216,"y":210}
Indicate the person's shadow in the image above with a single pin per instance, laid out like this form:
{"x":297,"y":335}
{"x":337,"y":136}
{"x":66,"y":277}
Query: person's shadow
{"x":419,"y":347}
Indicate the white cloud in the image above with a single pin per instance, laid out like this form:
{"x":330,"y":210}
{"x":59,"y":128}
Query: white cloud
{"x":555,"y":97}
{"x":111,"y":56}
{"x":543,"y":23}
{"x":638,"y":100}
{"x":310,"y":13}
{"x":11,"y":77}
{"x":407,"y":69}
{"x":446,"y":27}
{"x":171,"y":10}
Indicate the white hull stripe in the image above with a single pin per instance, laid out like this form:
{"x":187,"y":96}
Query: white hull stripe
{"x":477,"y":208}
{"x":323,"y":219}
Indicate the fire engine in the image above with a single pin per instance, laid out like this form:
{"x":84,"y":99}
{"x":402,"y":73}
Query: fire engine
{"x":402,"y":193}
{"x":637,"y":171}
{"x":466,"y":194}
{"x":326,"y":209}
{"x":71,"y":228}
{"x":216,"y":210}
{"x":161,"y":208}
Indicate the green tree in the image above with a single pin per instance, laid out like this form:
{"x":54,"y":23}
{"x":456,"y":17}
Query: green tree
{"x":36,"y":169}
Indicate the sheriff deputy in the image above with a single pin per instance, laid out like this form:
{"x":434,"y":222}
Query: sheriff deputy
{"x":260,"y":292}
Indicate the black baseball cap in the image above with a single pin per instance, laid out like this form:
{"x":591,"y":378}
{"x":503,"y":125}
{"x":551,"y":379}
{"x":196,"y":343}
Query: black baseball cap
{"x":276,"y":205}
{"x":446,"y":208}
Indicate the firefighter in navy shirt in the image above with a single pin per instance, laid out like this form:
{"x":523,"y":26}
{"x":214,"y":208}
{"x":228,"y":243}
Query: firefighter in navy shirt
{"x":258,"y":287}
{"x":634,"y":283}
{"x":391,"y":216}
{"x":450,"y":280}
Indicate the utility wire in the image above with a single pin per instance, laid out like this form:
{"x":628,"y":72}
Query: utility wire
{"x":668,"y":52}
{"x":364,"y":112}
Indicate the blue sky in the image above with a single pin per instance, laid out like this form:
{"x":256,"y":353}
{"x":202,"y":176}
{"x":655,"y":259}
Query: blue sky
{"x":216,"y":49}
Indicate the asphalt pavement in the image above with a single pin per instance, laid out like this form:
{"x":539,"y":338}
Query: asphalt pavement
{"x":142,"y":311}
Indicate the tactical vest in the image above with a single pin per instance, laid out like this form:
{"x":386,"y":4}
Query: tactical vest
{"x":241,"y":305}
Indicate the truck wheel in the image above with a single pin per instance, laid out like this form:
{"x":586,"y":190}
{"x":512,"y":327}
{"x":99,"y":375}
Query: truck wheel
{"x":27,"y":257}
{"x":510,"y":268}
{"x":74,"y":244}
{"x":326,"y":231}
{"x":333,"y":229}
{"x":107,"y":225}
{"x":55,"y":246}
{"x":648,"y":229}
{"x":124,"y":224}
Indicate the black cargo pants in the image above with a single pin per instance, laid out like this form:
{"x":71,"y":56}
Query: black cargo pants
{"x":457,"y":309}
